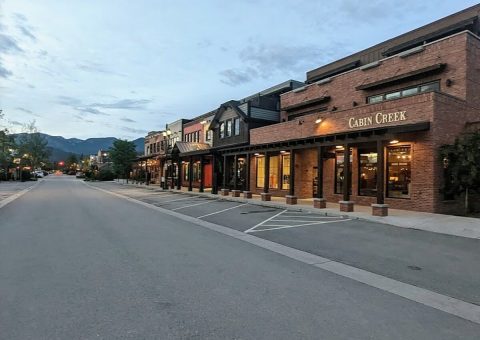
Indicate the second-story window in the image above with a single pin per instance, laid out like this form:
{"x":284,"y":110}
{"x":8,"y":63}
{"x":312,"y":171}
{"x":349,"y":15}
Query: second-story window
{"x":409,"y":91}
{"x":229,"y":128}
{"x":222,"y":130}
{"x":236,"y":127}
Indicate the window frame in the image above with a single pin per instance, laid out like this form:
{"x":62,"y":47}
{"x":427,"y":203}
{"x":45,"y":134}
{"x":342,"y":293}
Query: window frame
{"x":387,"y":171}
{"x":436,"y":84}
{"x":236,"y":126}
{"x":262,"y":177}
{"x":228,"y":125}
{"x":221,"y":130}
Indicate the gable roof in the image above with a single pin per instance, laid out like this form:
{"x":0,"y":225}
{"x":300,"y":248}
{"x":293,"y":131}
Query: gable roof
{"x":233,"y":104}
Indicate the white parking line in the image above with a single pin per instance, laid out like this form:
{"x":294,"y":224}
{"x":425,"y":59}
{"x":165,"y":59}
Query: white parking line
{"x":303,"y":220}
{"x":180,"y":199}
{"x":220,"y":211}
{"x":162,"y":196}
{"x":265,"y":221}
{"x":193,"y":205}
{"x":279,"y":226}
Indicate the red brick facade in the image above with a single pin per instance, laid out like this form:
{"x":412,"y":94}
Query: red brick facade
{"x":456,"y":103}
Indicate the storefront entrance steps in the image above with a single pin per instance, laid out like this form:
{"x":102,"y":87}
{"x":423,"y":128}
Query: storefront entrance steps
{"x":438,"y":223}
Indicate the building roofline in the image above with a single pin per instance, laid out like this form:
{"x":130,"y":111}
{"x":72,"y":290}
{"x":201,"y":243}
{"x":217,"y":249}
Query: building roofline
{"x":437,"y":25}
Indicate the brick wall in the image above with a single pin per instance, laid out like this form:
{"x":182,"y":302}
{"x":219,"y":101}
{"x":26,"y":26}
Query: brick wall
{"x":341,"y":89}
{"x":418,"y":108}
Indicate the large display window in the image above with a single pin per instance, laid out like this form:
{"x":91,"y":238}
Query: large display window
{"x":399,"y":171}
{"x":274,"y":172}
{"x":367,"y":185}
{"x":260,"y":171}
{"x":339,"y":171}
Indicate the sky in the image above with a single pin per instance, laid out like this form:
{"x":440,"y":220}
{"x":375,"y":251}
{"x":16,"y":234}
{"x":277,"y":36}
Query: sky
{"x":121,"y":68}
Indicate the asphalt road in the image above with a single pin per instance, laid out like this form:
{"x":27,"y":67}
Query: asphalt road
{"x":76,"y":263}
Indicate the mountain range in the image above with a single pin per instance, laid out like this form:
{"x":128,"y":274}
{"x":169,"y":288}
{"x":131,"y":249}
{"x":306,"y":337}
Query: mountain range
{"x":61,"y":148}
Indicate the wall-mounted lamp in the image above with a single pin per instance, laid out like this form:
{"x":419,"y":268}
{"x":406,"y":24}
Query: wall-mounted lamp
{"x":318,"y":120}
{"x":393,"y":141}
{"x":339,"y":147}
{"x":256,"y":154}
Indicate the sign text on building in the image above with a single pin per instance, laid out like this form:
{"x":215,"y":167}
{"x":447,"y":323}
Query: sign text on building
{"x":377,"y":119}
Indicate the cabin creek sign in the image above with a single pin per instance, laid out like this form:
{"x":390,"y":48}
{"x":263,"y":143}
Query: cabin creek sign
{"x":377,"y":119}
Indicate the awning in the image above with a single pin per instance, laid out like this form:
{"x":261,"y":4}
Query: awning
{"x":402,"y":77}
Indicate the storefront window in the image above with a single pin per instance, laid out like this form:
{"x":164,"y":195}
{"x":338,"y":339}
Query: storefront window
{"x":399,"y":169}
{"x":185,"y":169}
{"x":273,"y":176}
{"x":285,"y":172}
{"x":260,"y":171}
{"x":367,"y":185}
{"x":196,"y":172}
{"x":339,"y":172}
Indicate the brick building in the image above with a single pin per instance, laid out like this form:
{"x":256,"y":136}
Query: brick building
{"x":367,"y":129}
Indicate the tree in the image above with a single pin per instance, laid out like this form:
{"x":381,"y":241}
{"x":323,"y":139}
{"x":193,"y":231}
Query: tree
{"x":461,"y":162}
{"x":122,"y":154}
{"x":72,"y":161}
{"x":33,"y":146}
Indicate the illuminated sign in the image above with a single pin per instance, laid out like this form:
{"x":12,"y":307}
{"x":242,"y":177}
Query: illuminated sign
{"x":378,"y":118}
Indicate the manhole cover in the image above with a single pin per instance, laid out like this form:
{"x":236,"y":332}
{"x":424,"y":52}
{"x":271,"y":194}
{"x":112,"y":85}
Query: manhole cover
{"x":414,"y":268}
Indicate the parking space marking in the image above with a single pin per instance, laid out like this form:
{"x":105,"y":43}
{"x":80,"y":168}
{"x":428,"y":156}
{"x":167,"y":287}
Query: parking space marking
{"x":181,"y":199}
{"x":220,"y":211}
{"x":193,"y":205}
{"x":302,"y":220}
{"x":279,"y":226}
{"x":265,"y":221}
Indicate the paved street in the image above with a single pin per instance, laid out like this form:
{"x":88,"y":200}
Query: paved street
{"x":79,"y":263}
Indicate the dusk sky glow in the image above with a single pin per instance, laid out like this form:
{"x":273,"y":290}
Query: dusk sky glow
{"x":122,"y":68}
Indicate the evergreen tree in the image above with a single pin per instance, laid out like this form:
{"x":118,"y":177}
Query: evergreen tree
{"x":122,"y":154}
{"x":462,"y":166}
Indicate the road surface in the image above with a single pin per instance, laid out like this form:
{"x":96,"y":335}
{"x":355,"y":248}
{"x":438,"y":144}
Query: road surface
{"x":77,"y":263}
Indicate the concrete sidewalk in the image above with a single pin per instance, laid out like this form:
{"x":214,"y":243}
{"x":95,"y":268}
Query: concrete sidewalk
{"x":437,"y":223}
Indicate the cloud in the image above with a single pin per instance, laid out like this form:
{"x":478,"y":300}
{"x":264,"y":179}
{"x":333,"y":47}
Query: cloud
{"x":128,"y":120}
{"x":83,"y":119}
{"x":27,"y":32}
{"x":4,"y":73}
{"x":94,"y":67}
{"x":270,"y":58}
{"x":124,"y":104}
{"x":132,"y":130}
{"x":266,"y":60}
{"x":15,"y":122}
{"x":235,"y":77}
{"x":27,"y":111}
{"x":9,"y":44}
{"x":378,"y":10}
{"x":92,"y":110}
